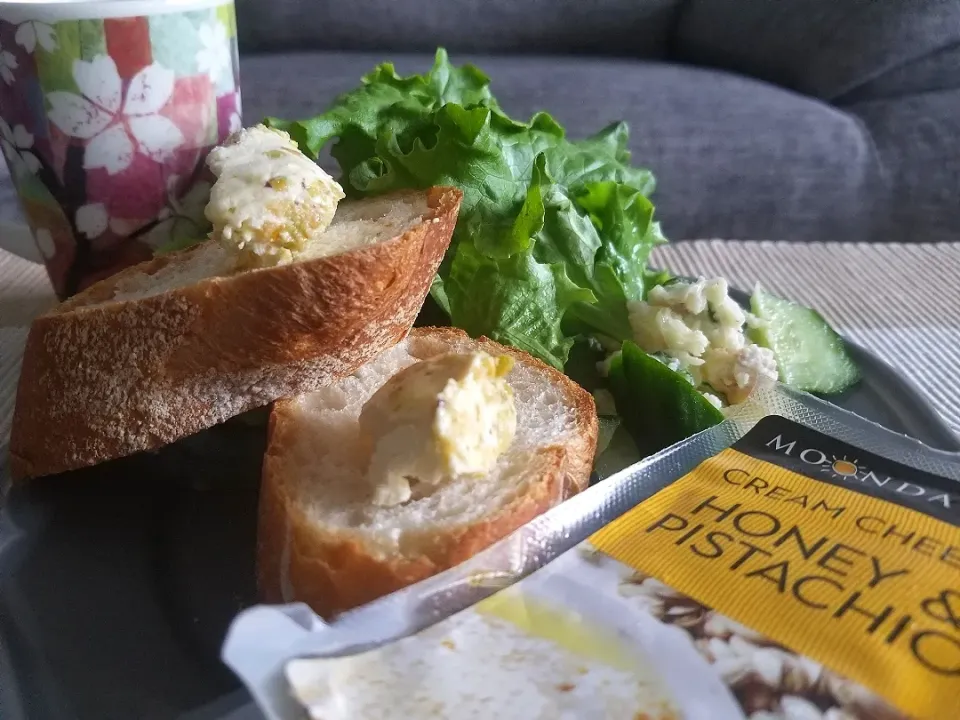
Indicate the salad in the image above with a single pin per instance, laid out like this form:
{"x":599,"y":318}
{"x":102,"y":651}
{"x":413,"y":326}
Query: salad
{"x":551,"y":256}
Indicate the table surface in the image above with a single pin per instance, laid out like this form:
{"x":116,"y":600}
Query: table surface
{"x":900,"y":301}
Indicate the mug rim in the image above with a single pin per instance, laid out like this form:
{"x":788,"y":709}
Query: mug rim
{"x":19,"y":11}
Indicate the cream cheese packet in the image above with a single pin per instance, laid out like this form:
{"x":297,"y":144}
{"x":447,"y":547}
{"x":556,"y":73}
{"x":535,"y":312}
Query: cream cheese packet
{"x":794,"y":562}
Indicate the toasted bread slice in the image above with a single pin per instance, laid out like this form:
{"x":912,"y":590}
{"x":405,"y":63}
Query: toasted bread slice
{"x":322,"y":541}
{"x":182,"y":342}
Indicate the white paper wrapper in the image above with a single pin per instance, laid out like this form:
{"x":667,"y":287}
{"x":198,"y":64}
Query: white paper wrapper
{"x":549,"y":647}
{"x":567,"y":642}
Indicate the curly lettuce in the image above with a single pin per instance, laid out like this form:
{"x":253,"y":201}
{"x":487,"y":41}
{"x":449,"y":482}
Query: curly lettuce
{"x":554,"y":234}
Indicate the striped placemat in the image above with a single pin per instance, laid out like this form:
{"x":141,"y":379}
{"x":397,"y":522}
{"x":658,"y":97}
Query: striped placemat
{"x":900,"y":301}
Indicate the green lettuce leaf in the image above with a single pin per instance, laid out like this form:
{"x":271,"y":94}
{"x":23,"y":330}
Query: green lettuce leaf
{"x":625,"y":219}
{"x":553,"y":235}
{"x":515,"y":300}
{"x":385,"y":99}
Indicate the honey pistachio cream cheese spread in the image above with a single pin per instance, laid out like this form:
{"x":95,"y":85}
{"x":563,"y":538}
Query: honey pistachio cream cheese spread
{"x":448,"y":416}
{"x":476,"y":668}
{"x":269,"y":200}
{"x":792,"y":563}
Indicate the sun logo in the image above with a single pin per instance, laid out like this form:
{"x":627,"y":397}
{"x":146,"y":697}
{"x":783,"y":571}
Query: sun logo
{"x":843,"y":467}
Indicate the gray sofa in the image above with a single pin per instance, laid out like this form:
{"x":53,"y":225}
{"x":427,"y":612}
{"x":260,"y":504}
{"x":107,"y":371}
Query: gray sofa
{"x":801,"y":120}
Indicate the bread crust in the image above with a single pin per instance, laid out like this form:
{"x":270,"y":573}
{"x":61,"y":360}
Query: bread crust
{"x":101,"y":381}
{"x":298,"y":561}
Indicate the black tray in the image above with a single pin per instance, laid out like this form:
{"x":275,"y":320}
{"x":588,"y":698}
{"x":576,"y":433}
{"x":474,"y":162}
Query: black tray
{"x":117,"y":582}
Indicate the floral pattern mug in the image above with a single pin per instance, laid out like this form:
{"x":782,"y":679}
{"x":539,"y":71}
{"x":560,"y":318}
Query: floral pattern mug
{"x":107,"y":112}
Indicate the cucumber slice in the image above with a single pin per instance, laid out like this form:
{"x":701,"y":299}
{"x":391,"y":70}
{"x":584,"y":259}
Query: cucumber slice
{"x":658,"y":406}
{"x":810,"y":354}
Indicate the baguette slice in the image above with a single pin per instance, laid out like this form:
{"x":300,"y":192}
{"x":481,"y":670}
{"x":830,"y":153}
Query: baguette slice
{"x":320,"y":539}
{"x":182,"y":342}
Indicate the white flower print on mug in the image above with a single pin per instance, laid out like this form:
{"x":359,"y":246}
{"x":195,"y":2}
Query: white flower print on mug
{"x":8,"y":63}
{"x":117,"y":126}
{"x":92,"y":219}
{"x":33,"y":32}
{"x":16,"y":143}
{"x":213,"y":58}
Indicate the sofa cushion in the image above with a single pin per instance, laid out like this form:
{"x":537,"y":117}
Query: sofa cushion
{"x":823,"y":48}
{"x":638,"y":28}
{"x":733,"y":157}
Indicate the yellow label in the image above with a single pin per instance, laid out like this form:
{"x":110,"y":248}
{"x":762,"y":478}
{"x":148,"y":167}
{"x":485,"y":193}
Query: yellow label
{"x":868,"y":588}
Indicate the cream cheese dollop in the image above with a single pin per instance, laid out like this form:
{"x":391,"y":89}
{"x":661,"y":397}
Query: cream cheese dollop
{"x":269,"y":200}
{"x":444,"y":417}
